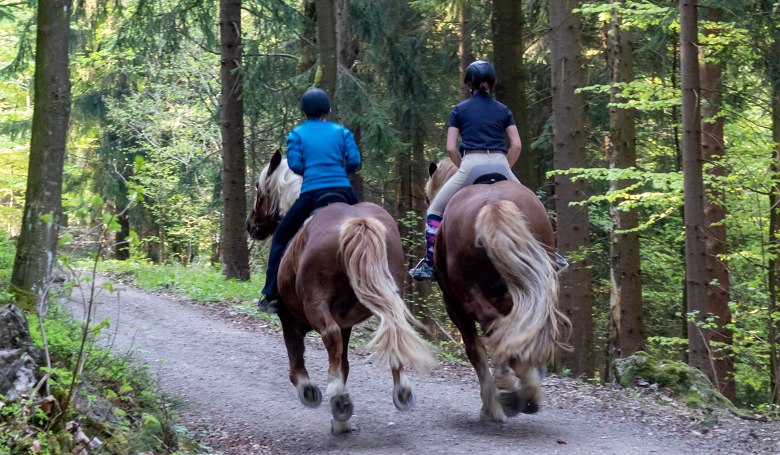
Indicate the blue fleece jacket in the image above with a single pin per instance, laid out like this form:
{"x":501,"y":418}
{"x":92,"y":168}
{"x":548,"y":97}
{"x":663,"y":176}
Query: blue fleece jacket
{"x":323,"y":153}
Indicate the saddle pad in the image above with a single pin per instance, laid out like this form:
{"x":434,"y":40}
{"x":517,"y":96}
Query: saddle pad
{"x":480,"y":170}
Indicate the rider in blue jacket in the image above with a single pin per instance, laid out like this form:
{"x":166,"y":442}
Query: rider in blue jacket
{"x":323,"y":153}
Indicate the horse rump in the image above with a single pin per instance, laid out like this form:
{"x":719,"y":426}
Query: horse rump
{"x":363,"y":248}
{"x":530,"y":332}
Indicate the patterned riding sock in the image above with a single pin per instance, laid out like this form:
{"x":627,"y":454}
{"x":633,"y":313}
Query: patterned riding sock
{"x":431,"y":228}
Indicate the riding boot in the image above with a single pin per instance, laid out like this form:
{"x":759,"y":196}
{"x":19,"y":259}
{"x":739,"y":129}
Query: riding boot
{"x":425,"y":270}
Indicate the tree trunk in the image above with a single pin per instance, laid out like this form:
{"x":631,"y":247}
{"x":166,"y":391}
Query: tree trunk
{"x":695,"y":238}
{"x":235,"y":255}
{"x":773,"y":68}
{"x":715,"y":215}
{"x":326,"y":38}
{"x":348,"y":52}
{"x":569,"y":152}
{"x":464,"y":47}
{"x":508,"y":52}
{"x":308,"y":37}
{"x":36,"y":251}
{"x":626,"y":309}
{"x":122,"y":247}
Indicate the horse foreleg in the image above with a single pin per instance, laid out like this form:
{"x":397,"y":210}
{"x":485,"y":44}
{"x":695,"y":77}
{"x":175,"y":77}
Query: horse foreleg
{"x":475,"y":351}
{"x":308,"y":393}
{"x":530,"y":386}
{"x":340,"y":405}
{"x":403,"y":394}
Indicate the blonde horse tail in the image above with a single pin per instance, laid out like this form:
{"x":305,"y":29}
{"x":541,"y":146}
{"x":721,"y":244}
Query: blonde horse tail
{"x":363,"y":248}
{"x":530,"y":332}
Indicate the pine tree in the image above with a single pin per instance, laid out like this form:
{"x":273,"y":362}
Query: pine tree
{"x":234,"y":252}
{"x":36,"y":252}
{"x":695,"y":248}
{"x":713,"y":152}
{"x":627,"y":326}
{"x":569,"y":147}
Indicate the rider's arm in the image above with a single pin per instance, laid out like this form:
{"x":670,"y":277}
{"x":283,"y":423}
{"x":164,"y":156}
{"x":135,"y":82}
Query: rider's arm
{"x":452,"y":145}
{"x":351,"y":152}
{"x":294,"y":153}
{"x":515,"y":146}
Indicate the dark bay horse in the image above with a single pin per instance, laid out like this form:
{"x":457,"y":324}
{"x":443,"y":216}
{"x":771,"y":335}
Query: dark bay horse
{"x":493,"y":258}
{"x":343,"y":266}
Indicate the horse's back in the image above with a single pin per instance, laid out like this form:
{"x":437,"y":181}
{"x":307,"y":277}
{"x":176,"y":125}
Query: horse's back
{"x":464,"y":207}
{"x":313,"y":270}
{"x":464,"y":268}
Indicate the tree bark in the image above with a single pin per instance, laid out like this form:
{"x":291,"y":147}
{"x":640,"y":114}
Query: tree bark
{"x":326,"y":38}
{"x":508,"y":50}
{"x":569,"y":152}
{"x":122,"y":246}
{"x":36,"y":252}
{"x":464,"y":47}
{"x":695,"y":237}
{"x":626,"y":310}
{"x":773,"y":70}
{"x":715,"y":215}
{"x":308,"y":37}
{"x":347,"y":53}
{"x":774,"y":243}
{"x":235,"y":254}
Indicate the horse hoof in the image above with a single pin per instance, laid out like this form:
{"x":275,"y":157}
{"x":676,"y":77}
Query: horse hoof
{"x":496,"y":416}
{"x":310,"y":395}
{"x":341,"y":407}
{"x":531,"y":407}
{"x":337,"y":427}
{"x":404,"y":398}
{"x":512,"y":402}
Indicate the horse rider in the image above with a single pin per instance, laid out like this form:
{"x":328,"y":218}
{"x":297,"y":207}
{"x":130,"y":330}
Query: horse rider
{"x":481,"y":122}
{"x":317,"y":150}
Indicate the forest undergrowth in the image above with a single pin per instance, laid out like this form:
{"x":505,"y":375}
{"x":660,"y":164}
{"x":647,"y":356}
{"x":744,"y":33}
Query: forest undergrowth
{"x":117,"y":404}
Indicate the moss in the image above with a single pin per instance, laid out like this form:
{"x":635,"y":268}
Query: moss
{"x":694,"y":399}
{"x":682,"y":379}
{"x":117,"y":443}
{"x":65,"y":441}
{"x":53,"y":445}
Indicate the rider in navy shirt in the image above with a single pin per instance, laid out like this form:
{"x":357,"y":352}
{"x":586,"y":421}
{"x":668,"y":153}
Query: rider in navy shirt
{"x":482,"y":124}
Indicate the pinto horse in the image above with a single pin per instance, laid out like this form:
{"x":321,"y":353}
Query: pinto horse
{"x":344,"y":265}
{"x":493,"y":257}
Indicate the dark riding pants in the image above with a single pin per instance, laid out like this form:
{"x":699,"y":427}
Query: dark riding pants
{"x":292,"y":221}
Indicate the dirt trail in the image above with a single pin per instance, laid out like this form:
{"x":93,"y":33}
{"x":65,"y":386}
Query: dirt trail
{"x":235,"y":375}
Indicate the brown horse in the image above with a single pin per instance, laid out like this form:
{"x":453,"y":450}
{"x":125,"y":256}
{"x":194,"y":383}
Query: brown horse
{"x":343,"y":266}
{"x":493,"y":258}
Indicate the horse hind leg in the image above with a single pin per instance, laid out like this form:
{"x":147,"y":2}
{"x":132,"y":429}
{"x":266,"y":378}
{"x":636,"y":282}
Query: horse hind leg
{"x":340,"y":404}
{"x":404,"y":398}
{"x":530,"y":386}
{"x":308,"y":393}
{"x":509,"y":395}
{"x":475,"y":351}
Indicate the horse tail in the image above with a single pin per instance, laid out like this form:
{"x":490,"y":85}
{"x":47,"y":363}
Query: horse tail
{"x":363,"y":248}
{"x":530,"y":331}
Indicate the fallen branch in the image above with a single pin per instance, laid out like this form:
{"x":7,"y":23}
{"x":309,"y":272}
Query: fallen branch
{"x":751,"y":418}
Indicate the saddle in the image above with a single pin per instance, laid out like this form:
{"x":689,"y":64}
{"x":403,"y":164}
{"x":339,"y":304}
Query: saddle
{"x":327,"y":199}
{"x":485,"y":174}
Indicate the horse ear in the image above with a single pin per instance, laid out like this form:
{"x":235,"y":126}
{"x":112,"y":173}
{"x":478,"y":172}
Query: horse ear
{"x":431,"y":169}
{"x":276,"y":160}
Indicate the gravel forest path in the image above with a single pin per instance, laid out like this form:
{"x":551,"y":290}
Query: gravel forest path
{"x":234,"y":374}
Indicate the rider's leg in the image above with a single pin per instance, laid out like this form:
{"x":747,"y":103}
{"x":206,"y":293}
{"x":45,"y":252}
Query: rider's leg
{"x":434,"y":216}
{"x":292,"y":221}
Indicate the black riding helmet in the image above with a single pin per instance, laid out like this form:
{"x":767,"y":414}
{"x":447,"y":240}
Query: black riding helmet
{"x":479,"y":72}
{"x":315,"y":103}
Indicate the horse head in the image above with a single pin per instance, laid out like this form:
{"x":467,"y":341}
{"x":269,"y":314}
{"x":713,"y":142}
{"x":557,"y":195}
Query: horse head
{"x":277,"y":188}
{"x":438,"y":176}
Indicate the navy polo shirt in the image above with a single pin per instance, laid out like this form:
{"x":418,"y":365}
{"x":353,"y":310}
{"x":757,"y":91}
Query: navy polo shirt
{"x":481,"y":121}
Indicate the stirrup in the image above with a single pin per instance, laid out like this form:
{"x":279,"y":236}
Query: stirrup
{"x":561,"y":262}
